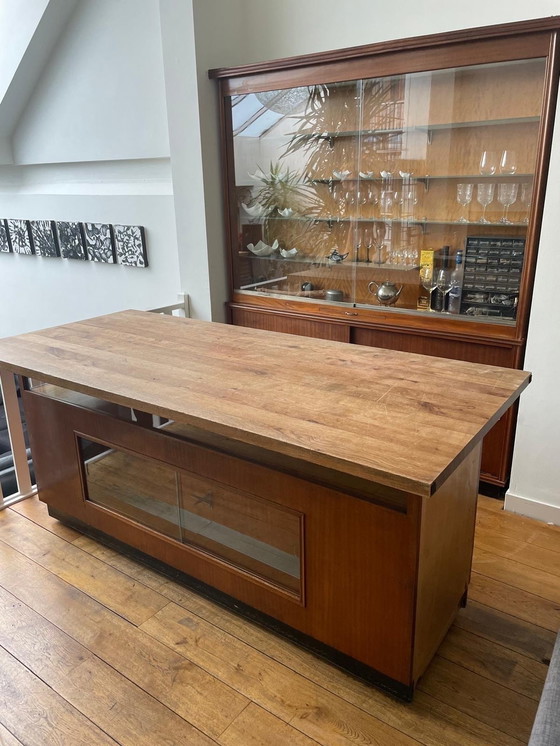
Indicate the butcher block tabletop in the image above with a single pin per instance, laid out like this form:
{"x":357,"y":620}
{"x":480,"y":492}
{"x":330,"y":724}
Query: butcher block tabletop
{"x":399,"y":419}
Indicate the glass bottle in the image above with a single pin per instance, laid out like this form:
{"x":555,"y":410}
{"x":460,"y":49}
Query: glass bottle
{"x":456,"y":292}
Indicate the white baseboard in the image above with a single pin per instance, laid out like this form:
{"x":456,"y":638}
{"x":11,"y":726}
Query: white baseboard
{"x":532,"y":509}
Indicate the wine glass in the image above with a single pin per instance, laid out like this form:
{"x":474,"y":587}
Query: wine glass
{"x":379,"y":233}
{"x":508,"y":162}
{"x":484,"y":195}
{"x":444,"y":285}
{"x":408,"y":199}
{"x":488,"y":162}
{"x":526,"y":197}
{"x":336,"y":192}
{"x":507,"y":194}
{"x":429,"y":282}
{"x":367,"y":241}
{"x":349,"y":199}
{"x":464,"y":198}
{"x":386,"y":203}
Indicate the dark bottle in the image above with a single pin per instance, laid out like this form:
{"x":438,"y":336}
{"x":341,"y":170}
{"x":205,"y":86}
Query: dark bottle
{"x":439,"y":299}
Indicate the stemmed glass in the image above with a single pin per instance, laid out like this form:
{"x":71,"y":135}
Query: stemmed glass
{"x":464,"y":198}
{"x":484,"y":195}
{"x":408,"y":199}
{"x":386,"y":203}
{"x":428,"y":279}
{"x":379,"y":232}
{"x":488,"y":162}
{"x":444,"y":284}
{"x":337,"y":198}
{"x":507,"y":194}
{"x":526,"y":197}
{"x":508,"y":162}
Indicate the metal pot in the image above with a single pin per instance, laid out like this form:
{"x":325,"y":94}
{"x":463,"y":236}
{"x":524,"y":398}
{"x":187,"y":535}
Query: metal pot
{"x":387,"y":293}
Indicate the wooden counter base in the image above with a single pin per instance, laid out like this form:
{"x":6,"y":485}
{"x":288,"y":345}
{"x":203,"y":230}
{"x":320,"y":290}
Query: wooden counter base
{"x":331,"y":488}
{"x":330,"y":654}
{"x":380,"y":581}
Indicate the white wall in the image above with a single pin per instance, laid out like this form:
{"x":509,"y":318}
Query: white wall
{"x":101,"y":96}
{"x":38,"y":292}
{"x":97,"y":123}
{"x":195,"y":39}
{"x":292,"y":27}
{"x":20,"y":28}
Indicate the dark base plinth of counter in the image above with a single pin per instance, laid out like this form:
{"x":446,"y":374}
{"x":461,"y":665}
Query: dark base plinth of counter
{"x":371,"y":580}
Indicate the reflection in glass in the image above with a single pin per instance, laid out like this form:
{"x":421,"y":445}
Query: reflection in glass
{"x":138,"y":488}
{"x":255,"y":535}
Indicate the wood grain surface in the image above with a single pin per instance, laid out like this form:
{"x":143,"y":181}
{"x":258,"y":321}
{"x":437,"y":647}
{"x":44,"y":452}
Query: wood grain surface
{"x":402,"y":420}
{"x":74,"y":671}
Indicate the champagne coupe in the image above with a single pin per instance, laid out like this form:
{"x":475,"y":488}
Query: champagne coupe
{"x":464,"y":198}
{"x":507,"y":194}
{"x":508,"y":162}
{"x":488,"y":162}
{"x":526,"y":197}
{"x":444,"y":284}
{"x":484,"y":195}
{"x":429,"y":282}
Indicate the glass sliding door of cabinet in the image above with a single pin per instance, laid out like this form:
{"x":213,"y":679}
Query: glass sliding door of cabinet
{"x":411,"y":193}
{"x":296,"y":156}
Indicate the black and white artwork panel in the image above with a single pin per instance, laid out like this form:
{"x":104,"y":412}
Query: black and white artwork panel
{"x":43,"y":238}
{"x":70,"y":240}
{"x":99,"y":242}
{"x":5,"y":245}
{"x":130,"y":245}
{"x":19,"y":236}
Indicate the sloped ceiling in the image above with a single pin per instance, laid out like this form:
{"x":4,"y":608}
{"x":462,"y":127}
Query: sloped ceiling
{"x":29,"y":31}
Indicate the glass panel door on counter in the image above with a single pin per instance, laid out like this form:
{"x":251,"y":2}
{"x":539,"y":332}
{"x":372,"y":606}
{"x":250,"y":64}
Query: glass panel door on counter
{"x":411,"y":193}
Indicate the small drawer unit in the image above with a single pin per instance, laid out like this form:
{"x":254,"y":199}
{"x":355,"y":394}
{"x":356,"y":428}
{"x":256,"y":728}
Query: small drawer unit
{"x":492,"y":276}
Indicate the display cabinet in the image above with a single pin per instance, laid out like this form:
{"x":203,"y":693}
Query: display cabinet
{"x":391,"y":195}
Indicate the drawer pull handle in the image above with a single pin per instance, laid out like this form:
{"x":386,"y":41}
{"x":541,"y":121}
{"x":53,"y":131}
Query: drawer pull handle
{"x":351,"y":313}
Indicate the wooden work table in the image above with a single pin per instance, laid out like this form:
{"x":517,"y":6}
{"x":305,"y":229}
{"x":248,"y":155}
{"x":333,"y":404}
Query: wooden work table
{"x":331,"y":488}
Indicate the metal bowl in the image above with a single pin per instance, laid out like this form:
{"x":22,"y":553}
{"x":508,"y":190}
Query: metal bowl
{"x":334,"y":295}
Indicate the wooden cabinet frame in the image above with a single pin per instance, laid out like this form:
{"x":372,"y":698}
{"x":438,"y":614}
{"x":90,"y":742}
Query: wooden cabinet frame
{"x":453,"y":337}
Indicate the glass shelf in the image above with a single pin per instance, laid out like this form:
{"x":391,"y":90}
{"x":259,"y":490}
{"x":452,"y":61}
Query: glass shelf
{"x":422,"y":178}
{"x":324,"y":262}
{"x":389,"y":221}
{"x":331,"y":135}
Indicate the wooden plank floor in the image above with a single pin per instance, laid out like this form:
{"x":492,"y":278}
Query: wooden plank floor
{"x":97,"y":649}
